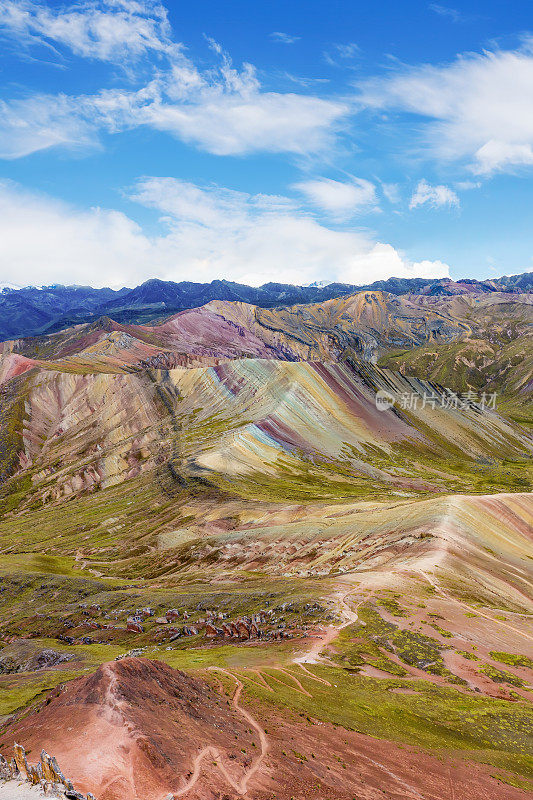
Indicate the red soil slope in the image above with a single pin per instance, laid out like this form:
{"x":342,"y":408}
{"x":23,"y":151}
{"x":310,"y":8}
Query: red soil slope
{"x":139,"y":729}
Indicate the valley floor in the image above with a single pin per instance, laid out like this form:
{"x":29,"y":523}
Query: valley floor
{"x":394,"y":655}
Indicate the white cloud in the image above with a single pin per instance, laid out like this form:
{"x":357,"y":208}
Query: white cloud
{"x":39,"y":122}
{"x":284,"y":38}
{"x":468,"y":184}
{"x":340,"y":199}
{"x":222,"y":110}
{"x":341,"y":52}
{"x":479,"y":108}
{"x":207,"y":232}
{"x":434,"y":196}
{"x":384,"y":261}
{"x":496,"y":156}
{"x":349,"y":50}
{"x":215,"y":118}
{"x":450,"y":13}
{"x":46,"y":241}
{"x":391,"y":192}
{"x":263,"y":121}
{"x":108,"y":30}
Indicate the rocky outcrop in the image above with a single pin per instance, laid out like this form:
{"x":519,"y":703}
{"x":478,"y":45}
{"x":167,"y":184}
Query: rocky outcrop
{"x":242,"y":629}
{"x":169,"y":360}
{"x":46,"y":774}
{"x":23,"y":657}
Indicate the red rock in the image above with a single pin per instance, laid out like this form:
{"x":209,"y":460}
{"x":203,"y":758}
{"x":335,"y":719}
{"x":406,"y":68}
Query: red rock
{"x":134,"y":627}
{"x":243,"y":629}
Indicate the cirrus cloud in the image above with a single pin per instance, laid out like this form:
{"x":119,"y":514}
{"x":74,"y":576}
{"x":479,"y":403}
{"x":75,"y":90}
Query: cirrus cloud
{"x":340,"y":199}
{"x":211,"y":117}
{"x":220,"y":109}
{"x":284,"y":38}
{"x":107,"y":30}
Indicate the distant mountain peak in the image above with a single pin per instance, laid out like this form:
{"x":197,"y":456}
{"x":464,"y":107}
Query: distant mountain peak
{"x":30,"y":311}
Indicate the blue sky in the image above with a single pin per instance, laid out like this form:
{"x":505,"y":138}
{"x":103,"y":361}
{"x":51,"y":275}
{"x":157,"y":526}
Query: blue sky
{"x":264,"y":141}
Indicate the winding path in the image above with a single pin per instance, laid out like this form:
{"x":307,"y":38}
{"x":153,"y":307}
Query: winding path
{"x":241,"y":787}
{"x":312,"y":656}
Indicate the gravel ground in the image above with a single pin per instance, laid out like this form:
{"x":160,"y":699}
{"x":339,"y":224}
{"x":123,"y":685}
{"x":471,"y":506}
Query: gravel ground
{"x":14,"y":790}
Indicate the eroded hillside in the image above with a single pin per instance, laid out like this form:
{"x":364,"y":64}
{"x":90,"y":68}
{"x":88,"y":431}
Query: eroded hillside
{"x":345,"y":582}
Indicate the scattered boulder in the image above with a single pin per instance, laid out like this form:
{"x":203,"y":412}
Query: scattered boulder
{"x":243,"y":629}
{"x":134,"y":627}
{"x":145,"y":612}
{"x":25,"y":656}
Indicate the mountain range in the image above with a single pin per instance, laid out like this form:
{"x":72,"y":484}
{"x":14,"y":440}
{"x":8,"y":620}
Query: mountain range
{"x":262,"y":547}
{"x":31,"y":311}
